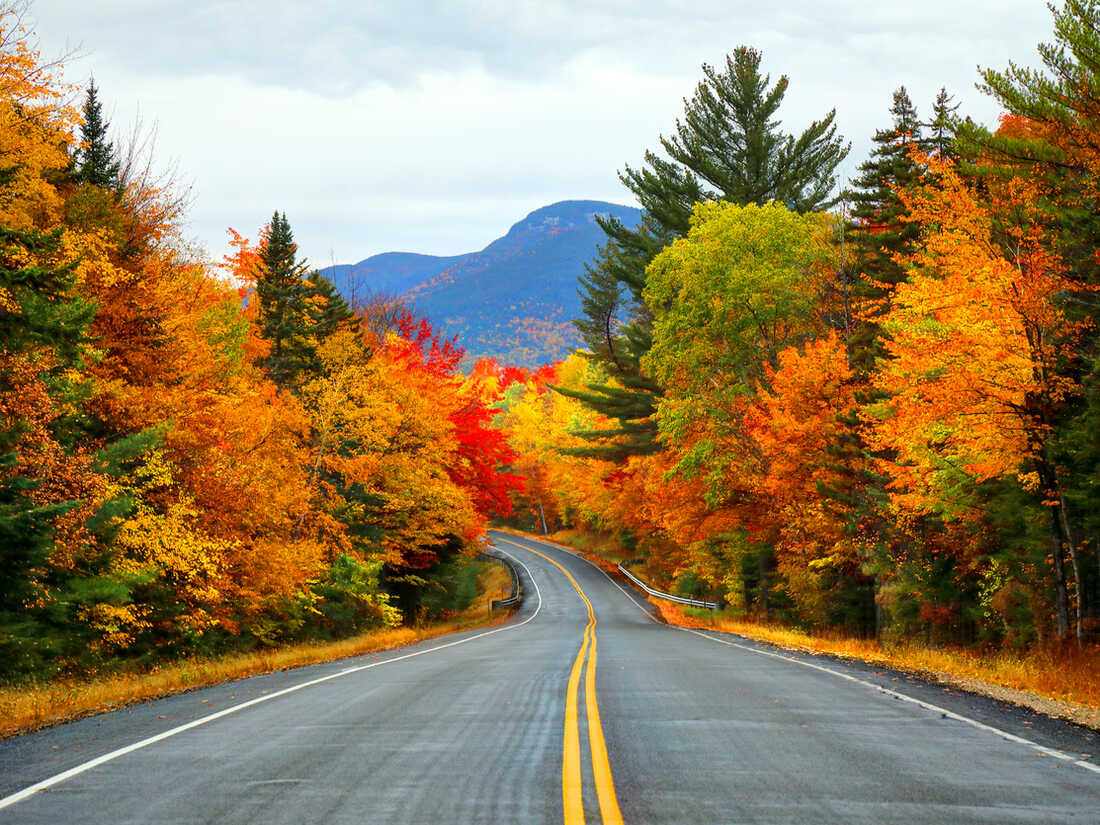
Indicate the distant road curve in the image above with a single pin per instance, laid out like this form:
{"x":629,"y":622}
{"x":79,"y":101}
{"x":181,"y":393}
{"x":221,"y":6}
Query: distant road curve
{"x":581,"y":709}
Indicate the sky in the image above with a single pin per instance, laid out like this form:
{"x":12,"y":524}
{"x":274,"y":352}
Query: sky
{"x":421,"y":126}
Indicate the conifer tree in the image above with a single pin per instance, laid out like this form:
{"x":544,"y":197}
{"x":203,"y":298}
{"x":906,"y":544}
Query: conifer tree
{"x":96,"y":160}
{"x":328,"y":311}
{"x":943,"y":126}
{"x":282,"y":291}
{"x":1058,"y":147}
{"x":43,"y":329}
{"x":876,"y":231}
{"x":729,"y":146}
{"x":299,"y":307}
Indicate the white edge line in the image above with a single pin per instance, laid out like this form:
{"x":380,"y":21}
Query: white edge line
{"x":949,"y":714}
{"x":57,"y":779}
{"x":919,"y":702}
{"x":576,"y":555}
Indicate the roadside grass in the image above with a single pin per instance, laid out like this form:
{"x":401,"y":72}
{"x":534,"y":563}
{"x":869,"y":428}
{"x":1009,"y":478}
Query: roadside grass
{"x":1061,"y":681}
{"x":29,"y":707}
{"x":604,"y":547}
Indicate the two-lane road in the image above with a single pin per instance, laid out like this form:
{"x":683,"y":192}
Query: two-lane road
{"x":581,"y":709}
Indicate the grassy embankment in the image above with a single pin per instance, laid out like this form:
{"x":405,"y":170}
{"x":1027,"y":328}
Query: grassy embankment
{"x":27,"y":708}
{"x":1062,"y":682}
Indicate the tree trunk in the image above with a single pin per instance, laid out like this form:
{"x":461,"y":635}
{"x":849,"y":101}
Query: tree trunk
{"x":1059,"y":576}
{"x":1067,"y":537}
{"x":542,"y":520}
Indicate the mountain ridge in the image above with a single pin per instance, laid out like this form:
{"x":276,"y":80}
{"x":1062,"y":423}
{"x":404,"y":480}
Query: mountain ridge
{"x":513,"y":300}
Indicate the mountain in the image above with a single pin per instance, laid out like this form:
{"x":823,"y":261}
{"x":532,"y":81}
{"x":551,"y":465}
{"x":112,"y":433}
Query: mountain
{"x":515,"y":299}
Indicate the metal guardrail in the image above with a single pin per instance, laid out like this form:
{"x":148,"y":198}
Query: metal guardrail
{"x":667,"y":596}
{"x":516,"y":596}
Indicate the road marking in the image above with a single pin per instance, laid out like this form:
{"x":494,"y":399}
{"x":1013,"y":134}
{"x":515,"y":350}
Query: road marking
{"x":949,"y":714}
{"x":1011,"y":737}
{"x":648,"y":614}
{"x":572,"y":797}
{"x":601,"y":765}
{"x":57,"y":779}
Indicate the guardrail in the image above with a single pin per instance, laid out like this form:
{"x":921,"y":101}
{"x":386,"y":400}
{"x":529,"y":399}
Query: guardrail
{"x":667,"y":596}
{"x":516,"y":595}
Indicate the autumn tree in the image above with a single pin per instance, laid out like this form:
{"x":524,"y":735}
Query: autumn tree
{"x":728,"y":147}
{"x":1050,"y":138}
{"x":972,"y":378}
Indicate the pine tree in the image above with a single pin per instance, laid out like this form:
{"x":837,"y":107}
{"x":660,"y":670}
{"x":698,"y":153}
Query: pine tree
{"x":943,"y":126}
{"x":96,"y":160}
{"x":1058,"y":146}
{"x":299,"y":308}
{"x":877,"y":232}
{"x":328,"y":311}
{"x":729,"y":147}
{"x":43,"y":332}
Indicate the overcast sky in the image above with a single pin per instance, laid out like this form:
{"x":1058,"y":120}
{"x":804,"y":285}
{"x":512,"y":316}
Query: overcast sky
{"x":382,"y":125}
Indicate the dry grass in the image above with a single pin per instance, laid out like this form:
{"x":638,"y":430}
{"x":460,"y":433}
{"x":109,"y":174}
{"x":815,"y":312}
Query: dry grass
{"x":599,"y":548}
{"x":1063,"y":682}
{"x":23,"y":709}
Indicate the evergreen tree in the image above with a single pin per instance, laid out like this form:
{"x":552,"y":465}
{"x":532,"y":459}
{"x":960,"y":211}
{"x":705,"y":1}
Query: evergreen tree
{"x":43,"y":330}
{"x":96,"y":160}
{"x":328,"y":311}
{"x":299,"y":308}
{"x":282,"y":291}
{"x":728,"y":146}
{"x":876,"y":231}
{"x":943,"y":127}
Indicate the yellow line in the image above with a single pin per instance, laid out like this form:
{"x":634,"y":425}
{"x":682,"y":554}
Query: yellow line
{"x":571,"y":796}
{"x":572,"y":800}
{"x":601,"y":766}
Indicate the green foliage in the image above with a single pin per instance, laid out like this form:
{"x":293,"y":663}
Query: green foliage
{"x":349,"y":600}
{"x":97,"y":161}
{"x":451,"y":588}
{"x":728,"y":147}
{"x":299,"y":308}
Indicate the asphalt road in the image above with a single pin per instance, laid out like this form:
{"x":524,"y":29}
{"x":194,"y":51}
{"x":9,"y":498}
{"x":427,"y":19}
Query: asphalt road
{"x":581,"y":709}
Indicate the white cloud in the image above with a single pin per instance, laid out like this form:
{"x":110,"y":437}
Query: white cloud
{"x":433,"y":126}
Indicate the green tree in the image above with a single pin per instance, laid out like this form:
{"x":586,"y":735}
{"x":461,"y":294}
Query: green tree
{"x":299,"y":308}
{"x":728,"y":147}
{"x":96,"y":159}
{"x":43,"y":335}
{"x":876,"y":230}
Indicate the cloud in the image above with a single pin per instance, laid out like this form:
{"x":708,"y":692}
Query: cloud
{"x":433,"y":126}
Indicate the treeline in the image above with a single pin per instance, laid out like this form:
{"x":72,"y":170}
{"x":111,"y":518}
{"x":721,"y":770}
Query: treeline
{"x":196,"y":458}
{"x":877,"y":411}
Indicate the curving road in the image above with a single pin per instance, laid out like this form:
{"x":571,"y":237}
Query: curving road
{"x":581,"y":709}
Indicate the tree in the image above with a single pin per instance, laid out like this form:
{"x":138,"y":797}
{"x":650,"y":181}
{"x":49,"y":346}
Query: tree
{"x":877,"y":231}
{"x":298,"y":309}
{"x":742,"y":285}
{"x":43,"y":343}
{"x":97,"y":161}
{"x":972,"y":380}
{"x":943,"y":126}
{"x":728,"y":147}
{"x":1050,"y":137}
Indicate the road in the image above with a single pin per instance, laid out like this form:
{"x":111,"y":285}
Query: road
{"x":581,"y":709}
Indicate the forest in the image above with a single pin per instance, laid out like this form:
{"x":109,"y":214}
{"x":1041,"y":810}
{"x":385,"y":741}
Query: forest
{"x":202,"y":457}
{"x":868,"y":405}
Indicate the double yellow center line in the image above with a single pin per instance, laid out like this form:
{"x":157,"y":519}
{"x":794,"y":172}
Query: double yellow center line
{"x":571,"y":786}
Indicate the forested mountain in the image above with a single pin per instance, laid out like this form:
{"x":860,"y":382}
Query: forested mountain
{"x":515,"y":299}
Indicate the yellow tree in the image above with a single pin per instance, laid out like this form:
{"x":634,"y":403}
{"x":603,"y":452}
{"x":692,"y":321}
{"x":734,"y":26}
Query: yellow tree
{"x":971,"y":378}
